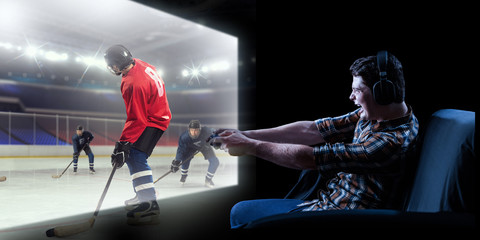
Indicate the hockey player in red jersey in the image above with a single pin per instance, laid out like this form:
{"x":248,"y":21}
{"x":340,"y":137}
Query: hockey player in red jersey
{"x":148,"y":116}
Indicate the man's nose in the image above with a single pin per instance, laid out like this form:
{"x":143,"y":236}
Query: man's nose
{"x":352,"y":96}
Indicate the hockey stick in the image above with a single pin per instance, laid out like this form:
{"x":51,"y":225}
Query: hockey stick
{"x":169,"y":172}
{"x":68,"y":230}
{"x":59,"y":176}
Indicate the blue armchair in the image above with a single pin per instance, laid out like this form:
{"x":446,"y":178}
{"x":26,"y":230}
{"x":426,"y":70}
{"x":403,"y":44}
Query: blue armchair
{"x":440,"y":193}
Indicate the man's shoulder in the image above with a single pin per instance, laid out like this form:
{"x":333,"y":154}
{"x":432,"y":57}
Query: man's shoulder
{"x":141,"y":65}
{"x":184,"y":136}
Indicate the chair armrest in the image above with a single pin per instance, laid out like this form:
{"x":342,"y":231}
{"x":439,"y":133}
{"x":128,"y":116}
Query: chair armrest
{"x":384,"y":218}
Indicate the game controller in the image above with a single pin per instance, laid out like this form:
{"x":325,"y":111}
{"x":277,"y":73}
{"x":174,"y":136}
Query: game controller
{"x":211,"y":141}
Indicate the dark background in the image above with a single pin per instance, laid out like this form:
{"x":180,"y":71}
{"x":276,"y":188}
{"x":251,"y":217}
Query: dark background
{"x":305,"y":50}
{"x":303,"y":64}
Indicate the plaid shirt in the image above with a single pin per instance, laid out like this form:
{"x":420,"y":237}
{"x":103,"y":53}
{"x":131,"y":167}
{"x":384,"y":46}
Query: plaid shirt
{"x":365,"y":170}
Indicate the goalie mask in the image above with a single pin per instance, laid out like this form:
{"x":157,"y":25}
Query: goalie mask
{"x":118,"y":58}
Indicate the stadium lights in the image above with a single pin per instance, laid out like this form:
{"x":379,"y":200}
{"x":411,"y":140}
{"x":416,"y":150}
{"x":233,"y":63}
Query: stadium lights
{"x":53,"y":56}
{"x":49,"y":55}
{"x":31,"y":51}
{"x":220,"y":66}
{"x":38,"y":52}
{"x":6,"y":45}
{"x":197,"y":71}
{"x":160,"y":72}
{"x":89,"y":61}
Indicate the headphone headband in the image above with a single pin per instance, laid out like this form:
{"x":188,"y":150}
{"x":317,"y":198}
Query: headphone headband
{"x":384,"y":89}
{"x":382,"y":59}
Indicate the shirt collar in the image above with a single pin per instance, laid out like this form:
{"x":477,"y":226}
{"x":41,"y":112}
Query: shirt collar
{"x":394,"y":122}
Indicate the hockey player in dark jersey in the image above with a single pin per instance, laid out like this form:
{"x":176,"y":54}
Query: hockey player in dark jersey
{"x":190,"y":143}
{"x":80,"y":141}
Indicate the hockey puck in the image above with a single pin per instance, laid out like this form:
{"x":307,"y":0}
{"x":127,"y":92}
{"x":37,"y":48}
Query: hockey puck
{"x":50,"y":232}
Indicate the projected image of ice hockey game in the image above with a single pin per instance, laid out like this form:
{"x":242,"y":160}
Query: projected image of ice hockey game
{"x":54,"y":83}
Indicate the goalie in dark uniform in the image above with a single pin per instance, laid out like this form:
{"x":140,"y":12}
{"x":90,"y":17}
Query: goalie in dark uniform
{"x":190,"y":143}
{"x":81,"y":141}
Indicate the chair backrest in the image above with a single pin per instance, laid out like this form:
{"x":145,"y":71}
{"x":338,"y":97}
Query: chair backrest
{"x":444,"y":179}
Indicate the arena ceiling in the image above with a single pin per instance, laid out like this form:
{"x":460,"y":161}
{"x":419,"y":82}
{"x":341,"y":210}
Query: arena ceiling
{"x":62,"y":43}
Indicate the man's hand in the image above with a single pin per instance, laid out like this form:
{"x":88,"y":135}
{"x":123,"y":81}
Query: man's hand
{"x":120,"y":153}
{"x":234,"y":142}
{"x":225,"y":132}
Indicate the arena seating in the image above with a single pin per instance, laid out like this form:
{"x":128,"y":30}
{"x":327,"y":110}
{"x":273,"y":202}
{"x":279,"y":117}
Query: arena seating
{"x":101,"y":112}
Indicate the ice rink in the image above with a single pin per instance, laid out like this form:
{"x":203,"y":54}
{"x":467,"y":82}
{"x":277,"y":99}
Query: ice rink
{"x":33,"y":201}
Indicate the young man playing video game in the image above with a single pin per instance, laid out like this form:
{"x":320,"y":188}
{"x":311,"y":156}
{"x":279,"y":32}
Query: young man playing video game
{"x":359,"y":155}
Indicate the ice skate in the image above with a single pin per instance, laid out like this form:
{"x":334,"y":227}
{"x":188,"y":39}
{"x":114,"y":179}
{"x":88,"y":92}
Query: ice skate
{"x":209,"y":182}
{"x":132,"y":203}
{"x":146,"y":213}
{"x":92,"y":171}
{"x":183,"y":179}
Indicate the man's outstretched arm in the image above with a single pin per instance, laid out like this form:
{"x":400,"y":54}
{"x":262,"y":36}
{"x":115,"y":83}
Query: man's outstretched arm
{"x":295,"y":156}
{"x":301,"y":132}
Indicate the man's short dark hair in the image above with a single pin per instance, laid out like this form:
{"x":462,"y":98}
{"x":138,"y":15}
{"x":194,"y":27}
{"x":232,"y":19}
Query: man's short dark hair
{"x":366,"y":67}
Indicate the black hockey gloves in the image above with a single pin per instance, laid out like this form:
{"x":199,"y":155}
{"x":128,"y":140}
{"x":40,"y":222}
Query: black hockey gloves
{"x":120,"y":153}
{"x":175,"y":165}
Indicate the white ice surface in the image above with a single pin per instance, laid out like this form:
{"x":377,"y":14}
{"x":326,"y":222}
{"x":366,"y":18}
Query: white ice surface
{"x":31,"y":200}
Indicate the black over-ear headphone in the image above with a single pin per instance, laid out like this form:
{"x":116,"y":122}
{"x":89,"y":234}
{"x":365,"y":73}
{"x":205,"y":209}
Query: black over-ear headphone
{"x":383,"y":90}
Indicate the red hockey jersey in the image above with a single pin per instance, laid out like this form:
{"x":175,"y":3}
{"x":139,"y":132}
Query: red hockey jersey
{"x":143,"y":91}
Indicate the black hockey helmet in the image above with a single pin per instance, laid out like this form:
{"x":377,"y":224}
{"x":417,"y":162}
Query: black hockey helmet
{"x":194,"y":124}
{"x":118,"y":55}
